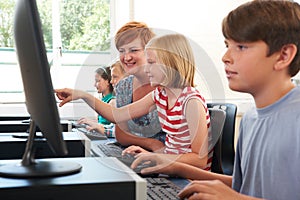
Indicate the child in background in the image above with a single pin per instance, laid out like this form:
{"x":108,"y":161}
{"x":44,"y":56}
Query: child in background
{"x":182,"y":110}
{"x":105,"y":88}
{"x":117,"y":73}
{"x":263,"y":43}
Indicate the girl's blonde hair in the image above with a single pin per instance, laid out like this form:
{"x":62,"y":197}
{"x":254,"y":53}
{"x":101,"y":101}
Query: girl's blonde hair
{"x":174,"y":52}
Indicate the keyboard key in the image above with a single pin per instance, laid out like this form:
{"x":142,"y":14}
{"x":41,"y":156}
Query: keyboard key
{"x":161,"y":188}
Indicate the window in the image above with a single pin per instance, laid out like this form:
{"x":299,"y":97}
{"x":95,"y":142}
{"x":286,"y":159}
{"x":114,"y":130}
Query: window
{"x":76,"y":35}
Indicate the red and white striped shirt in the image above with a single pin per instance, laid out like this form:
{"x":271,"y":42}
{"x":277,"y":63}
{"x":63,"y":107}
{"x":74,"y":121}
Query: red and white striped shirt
{"x":173,"y":120}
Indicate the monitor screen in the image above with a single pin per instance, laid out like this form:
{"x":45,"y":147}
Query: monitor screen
{"x":39,"y":93}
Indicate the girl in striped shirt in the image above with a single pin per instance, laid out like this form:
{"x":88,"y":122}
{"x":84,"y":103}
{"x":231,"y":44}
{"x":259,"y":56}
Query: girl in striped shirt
{"x":182,"y":111}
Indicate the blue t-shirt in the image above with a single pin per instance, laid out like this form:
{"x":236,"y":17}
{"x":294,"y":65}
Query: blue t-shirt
{"x":268,"y":151}
{"x":145,"y":126}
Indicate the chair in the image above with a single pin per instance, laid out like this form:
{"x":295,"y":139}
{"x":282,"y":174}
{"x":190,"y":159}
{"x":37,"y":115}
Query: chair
{"x":223,"y":158}
{"x":217,"y":121}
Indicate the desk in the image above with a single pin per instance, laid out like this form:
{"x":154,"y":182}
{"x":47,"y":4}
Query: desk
{"x":21,"y":126}
{"x":13,"y":148}
{"x":13,"y":118}
{"x":100,"y":178}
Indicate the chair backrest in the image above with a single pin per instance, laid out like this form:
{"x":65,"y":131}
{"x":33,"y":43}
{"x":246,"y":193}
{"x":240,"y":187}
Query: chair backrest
{"x":217,"y":121}
{"x":226,"y":141}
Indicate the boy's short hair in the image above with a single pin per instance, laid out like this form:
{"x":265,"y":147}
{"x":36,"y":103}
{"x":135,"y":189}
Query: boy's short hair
{"x":275,"y":22}
{"x":131,"y":31}
{"x":174,"y":52}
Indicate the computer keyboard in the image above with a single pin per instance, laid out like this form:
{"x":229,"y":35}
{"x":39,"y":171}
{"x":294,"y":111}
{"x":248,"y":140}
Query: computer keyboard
{"x":109,"y":150}
{"x":112,"y":150}
{"x":161,"y":188}
{"x":92,"y":135}
{"x":158,"y":188}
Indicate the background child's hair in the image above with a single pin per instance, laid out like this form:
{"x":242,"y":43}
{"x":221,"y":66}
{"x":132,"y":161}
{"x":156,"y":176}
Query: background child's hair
{"x":277,"y":23}
{"x":118,"y":66}
{"x":175,"y":52}
{"x":131,"y":31}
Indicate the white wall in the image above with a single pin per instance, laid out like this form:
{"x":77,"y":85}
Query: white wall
{"x":201,"y":22}
{"x":198,"y":20}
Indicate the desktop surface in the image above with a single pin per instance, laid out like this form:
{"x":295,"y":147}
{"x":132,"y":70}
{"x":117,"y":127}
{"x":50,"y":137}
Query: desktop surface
{"x":112,"y":182}
{"x":12,"y":147}
{"x":13,"y":117}
{"x":103,"y":178}
{"x":23,"y":125}
{"x":159,"y":186}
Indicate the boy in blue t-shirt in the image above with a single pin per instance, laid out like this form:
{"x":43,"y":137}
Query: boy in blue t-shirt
{"x":263,"y":42}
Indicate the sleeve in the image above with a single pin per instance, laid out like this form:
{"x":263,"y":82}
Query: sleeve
{"x":155,"y":95}
{"x":237,"y":172}
{"x":109,"y":130}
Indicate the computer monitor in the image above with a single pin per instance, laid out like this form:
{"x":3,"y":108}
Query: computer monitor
{"x":40,"y":100}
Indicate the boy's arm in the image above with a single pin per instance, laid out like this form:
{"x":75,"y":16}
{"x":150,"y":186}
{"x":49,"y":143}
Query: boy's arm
{"x":195,"y":173}
{"x":211,"y":189}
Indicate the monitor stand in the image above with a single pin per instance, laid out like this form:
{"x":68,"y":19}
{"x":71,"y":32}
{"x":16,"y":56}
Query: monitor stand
{"x":30,"y":168}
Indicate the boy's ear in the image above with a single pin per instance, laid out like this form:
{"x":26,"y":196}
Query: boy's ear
{"x":286,"y":56}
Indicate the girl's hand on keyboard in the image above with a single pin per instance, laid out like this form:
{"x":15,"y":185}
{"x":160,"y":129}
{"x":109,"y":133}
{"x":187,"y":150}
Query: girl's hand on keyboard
{"x":133,"y":150}
{"x":161,"y":163}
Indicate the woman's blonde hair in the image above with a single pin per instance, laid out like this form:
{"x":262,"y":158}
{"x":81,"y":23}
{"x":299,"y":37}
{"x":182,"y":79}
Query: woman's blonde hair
{"x":174,"y":52}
